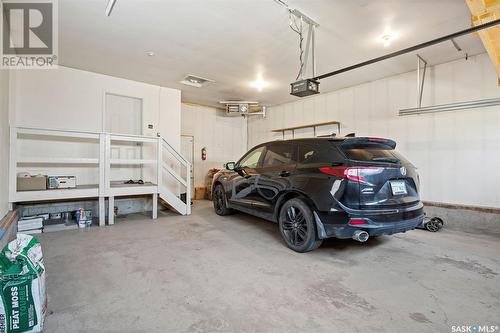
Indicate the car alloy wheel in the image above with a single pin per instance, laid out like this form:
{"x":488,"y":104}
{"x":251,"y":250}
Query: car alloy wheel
{"x":219,"y":200}
{"x":295,"y":226}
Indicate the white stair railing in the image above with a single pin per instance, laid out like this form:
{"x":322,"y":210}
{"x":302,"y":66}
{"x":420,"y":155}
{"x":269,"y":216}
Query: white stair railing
{"x":166,"y":189}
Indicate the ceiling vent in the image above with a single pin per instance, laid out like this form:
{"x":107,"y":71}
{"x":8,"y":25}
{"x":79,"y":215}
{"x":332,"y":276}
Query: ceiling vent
{"x":195,"y":81}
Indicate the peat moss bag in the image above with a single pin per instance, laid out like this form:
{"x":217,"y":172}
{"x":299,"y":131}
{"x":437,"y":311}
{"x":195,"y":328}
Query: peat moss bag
{"x":22,"y":277}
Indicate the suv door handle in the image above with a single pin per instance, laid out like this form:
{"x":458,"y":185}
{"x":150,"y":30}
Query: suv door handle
{"x":284,"y":173}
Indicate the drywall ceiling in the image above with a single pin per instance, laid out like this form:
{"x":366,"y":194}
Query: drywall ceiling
{"x":235,"y":41}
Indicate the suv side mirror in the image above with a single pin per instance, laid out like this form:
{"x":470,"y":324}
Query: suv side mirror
{"x":230,"y":166}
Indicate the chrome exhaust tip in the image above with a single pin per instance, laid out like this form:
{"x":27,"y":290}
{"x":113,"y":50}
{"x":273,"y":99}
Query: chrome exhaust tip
{"x":361,"y":236}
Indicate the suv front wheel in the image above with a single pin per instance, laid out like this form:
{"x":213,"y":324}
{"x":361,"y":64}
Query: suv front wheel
{"x":220,"y":202}
{"x":297,"y":227}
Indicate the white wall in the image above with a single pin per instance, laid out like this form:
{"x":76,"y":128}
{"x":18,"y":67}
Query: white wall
{"x":4,"y":142}
{"x":457,"y":153}
{"x":67,"y":98}
{"x":225,"y":138}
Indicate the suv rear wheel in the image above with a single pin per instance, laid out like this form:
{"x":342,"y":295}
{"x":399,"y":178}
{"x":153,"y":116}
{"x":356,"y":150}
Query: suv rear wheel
{"x":297,"y":227}
{"x":220,"y":202}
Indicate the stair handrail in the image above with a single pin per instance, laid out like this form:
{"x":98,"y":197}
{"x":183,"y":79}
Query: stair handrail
{"x":174,"y":152}
{"x":186,"y":164}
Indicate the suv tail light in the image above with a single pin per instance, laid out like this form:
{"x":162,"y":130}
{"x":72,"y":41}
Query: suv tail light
{"x":355,"y":174}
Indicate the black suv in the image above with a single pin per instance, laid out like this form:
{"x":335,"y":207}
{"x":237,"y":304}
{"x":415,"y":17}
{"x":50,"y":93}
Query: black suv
{"x":323,"y":187}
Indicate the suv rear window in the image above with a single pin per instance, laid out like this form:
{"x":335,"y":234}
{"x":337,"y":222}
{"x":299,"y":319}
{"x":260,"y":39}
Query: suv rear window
{"x":373,"y":154}
{"x":318,"y":152}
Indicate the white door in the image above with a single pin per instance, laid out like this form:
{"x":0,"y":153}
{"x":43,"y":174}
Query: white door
{"x":187,"y":150}
{"x":123,"y":115}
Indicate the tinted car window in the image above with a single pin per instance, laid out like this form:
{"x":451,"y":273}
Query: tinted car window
{"x":251,"y":160}
{"x":318,"y":152}
{"x":278,"y":154}
{"x":374,"y":154}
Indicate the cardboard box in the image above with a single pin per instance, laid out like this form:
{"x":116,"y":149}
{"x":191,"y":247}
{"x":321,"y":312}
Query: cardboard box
{"x":29,"y":224}
{"x":54,"y":182}
{"x":199,"y":193}
{"x":33,"y":183}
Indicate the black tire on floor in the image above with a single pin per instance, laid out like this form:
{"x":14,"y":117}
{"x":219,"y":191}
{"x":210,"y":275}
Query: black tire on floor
{"x":297,"y":226}
{"x":220,"y":202}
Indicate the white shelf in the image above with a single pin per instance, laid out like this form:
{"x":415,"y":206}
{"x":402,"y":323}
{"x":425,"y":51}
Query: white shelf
{"x":132,"y":138}
{"x":133,"y":190}
{"x":131,"y":161}
{"x":58,"y":133}
{"x":63,"y":160}
{"x":83,"y":191}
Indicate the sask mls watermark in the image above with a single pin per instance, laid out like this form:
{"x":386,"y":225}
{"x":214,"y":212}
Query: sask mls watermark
{"x":29,"y":34}
{"x":474,"y":328}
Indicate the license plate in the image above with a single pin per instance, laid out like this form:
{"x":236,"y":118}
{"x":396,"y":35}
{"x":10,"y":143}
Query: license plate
{"x":398,"y":187}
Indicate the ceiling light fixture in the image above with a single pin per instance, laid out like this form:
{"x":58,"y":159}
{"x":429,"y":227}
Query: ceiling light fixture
{"x":259,"y":84}
{"x":109,"y":7}
{"x":150,"y":53}
{"x":387,"y":38}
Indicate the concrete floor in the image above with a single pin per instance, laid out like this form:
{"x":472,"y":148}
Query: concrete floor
{"x":204,"y":273}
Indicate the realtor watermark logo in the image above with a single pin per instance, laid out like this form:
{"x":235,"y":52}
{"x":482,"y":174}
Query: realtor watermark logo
{"x":29,"y":34}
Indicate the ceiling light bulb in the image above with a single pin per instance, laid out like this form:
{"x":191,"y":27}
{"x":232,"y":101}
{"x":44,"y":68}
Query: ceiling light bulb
{"x":388,"y":37}
{"x":387,"y":40}
{"x":259,"y":84}
{"x":150,"y":53}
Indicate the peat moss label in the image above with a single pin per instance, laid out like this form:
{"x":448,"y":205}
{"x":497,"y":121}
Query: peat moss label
{"x":22,"y":279}
{"x":19,"y":307}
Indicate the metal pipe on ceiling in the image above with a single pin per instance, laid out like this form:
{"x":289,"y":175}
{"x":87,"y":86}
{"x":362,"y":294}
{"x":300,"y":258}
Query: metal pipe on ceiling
{"x":411,"y":49}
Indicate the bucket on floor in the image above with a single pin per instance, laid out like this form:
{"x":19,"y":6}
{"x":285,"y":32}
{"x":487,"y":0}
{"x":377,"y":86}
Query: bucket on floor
{"x":83,"y":218}
{"x":66,"y":216}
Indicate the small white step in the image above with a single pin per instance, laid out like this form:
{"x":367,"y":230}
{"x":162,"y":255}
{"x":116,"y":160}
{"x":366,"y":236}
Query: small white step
{"x":177,"y":204}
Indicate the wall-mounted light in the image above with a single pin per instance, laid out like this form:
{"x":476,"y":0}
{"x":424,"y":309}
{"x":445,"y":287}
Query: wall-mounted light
{"x":109,"y":7}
